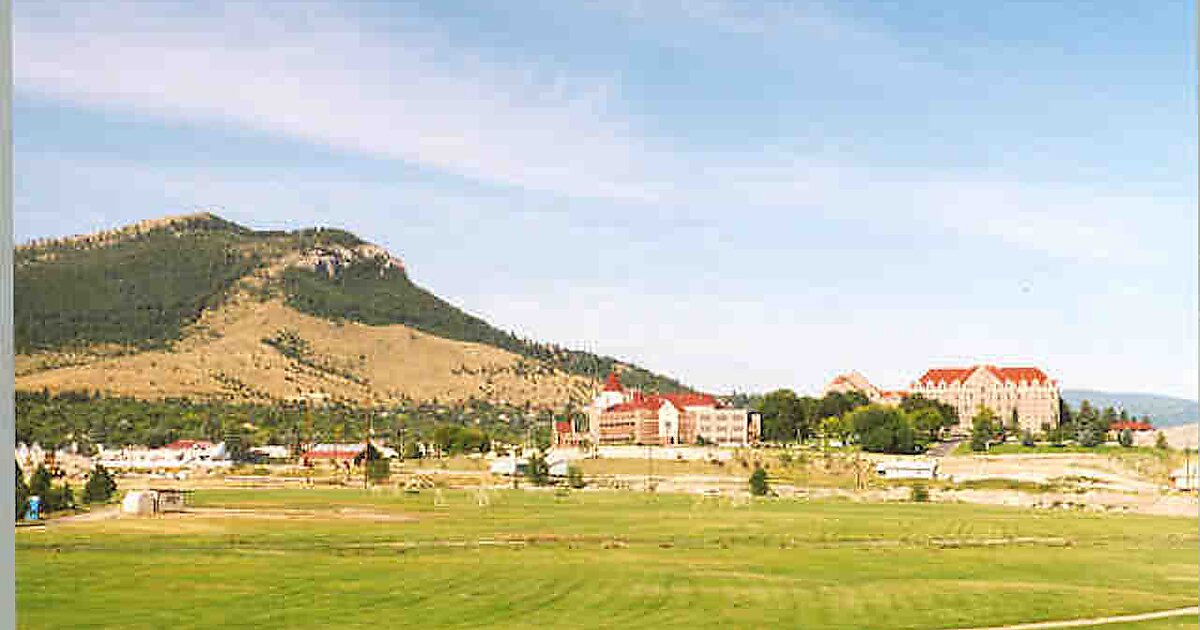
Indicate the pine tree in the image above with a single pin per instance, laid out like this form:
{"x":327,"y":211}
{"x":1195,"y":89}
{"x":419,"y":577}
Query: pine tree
{"x":100,"y":486}
{"x":41,"y":483}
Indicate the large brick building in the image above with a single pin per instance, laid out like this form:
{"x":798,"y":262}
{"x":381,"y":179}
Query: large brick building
{"x":620,"y":416}
{"x":1028,"y":390}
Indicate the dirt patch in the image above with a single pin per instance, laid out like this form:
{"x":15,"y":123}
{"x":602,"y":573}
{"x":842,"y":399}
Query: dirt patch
{"x":292,"y":515}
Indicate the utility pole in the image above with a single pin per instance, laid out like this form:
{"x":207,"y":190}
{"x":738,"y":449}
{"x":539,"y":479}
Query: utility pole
{"x":367,"y":449}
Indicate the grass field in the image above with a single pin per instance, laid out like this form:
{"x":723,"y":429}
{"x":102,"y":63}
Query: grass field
{"x":321,"y":557}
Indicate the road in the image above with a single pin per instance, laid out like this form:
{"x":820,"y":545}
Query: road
{"x":1097,"y":621}
{"x":942,"y":449}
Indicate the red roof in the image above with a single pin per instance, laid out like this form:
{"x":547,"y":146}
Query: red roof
{"x":1020,"y":374}
{"x":655,"y":402}
{"x":946,"y":375}
{"x":183,"y":445}
{"x":1131,"y":425}
{"x":613,"y":383}
{"x":691,"y":400}
{"x":1007,"y":374}
{"x":331,"y":454}
{"x":639,"y":402}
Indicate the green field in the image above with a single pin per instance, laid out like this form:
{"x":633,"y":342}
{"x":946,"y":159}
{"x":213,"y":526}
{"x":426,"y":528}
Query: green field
{"x":317,"y":558}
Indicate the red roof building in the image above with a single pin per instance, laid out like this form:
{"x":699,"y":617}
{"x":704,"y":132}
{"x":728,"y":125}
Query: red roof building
{"x":1025,"y":391}
{"x":618,"y":416}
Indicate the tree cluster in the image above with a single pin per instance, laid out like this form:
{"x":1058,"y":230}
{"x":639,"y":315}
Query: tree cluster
{"x":849,"y":417}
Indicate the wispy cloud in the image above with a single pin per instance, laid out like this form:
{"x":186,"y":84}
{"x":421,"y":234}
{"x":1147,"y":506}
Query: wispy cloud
{"x":409,"y":96}
{"x":318,"y":74}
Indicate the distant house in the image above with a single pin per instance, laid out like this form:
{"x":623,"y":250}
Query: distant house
{"x":272,"y":451}
{"x":907,"y":469}
{"x":178,"y":455}
{"x":510,"y":466}
{"x":855,"y":382}
{"x":342,"y":454}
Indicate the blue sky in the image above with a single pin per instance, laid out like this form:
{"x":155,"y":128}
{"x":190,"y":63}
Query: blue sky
{"x":743,"y":195}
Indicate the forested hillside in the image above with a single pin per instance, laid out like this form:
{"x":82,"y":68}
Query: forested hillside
{"x":147,"y":287}
{"x":139,"y":290}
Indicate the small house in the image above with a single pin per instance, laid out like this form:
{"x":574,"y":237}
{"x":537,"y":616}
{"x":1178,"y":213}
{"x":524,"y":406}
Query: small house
{"x":907,"y":469}
{"x":157,"y":501}
{"x":1186,"y":478}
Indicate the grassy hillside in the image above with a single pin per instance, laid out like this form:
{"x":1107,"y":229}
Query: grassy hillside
{"x":149,"y":286}
{"x":1164,"y":411}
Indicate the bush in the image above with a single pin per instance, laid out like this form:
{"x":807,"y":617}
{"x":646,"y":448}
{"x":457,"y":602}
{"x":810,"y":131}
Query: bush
{"x":1160,"y":441}
{"x":575,"y":477}
{"x":1125,"y":438}
{"x":758,"y":483}
{"x":919,"y":493}
{"x":539,"y":471}
{"x":379,"y":469}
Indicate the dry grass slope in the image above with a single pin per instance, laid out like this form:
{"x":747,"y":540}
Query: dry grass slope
{"x":224,"y":356}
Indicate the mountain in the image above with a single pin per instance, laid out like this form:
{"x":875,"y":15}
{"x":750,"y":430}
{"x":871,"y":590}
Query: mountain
{"x":198,"y":306}
{"x":1164,"y":411}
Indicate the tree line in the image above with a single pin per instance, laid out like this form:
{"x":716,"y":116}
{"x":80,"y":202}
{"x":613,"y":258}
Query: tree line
{"x":85,"y":419}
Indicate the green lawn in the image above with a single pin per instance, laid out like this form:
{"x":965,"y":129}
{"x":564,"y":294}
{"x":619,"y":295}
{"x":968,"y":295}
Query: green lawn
{"x":1009,"y":448}
{"x":595,"y":559}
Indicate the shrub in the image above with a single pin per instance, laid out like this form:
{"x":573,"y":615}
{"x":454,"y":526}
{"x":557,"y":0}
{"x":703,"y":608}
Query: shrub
{"x":1125,"y":438}
{"x":379,"y":469}
{"x":1160,"y":441}
{"x":758,"y":483}
{"x":575,"y":477}
{"x":919,"y":493}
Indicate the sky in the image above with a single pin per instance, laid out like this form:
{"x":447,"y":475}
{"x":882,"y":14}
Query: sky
{"x":745,"y":196}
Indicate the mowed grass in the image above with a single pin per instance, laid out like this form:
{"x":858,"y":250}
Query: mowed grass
{"x":311,"y":558}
